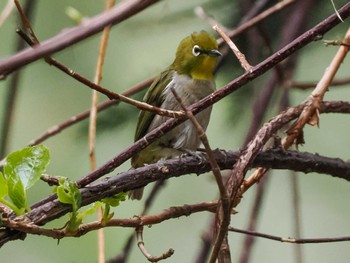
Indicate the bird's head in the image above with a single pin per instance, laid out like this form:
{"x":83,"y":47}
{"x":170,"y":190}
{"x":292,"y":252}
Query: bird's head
{"x":196,"y":56}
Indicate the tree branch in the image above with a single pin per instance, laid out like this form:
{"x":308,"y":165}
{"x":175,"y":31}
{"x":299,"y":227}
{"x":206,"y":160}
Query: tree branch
{"x":309,"y":36}
{"x":135,"y":178}
{"x":291,"y":240}
{"x":73,"y":35}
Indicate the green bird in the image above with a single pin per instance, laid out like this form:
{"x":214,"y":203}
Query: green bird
{"x":191,"y":75}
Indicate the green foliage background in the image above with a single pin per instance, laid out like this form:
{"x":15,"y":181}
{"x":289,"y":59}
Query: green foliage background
{"x":139,"y":48}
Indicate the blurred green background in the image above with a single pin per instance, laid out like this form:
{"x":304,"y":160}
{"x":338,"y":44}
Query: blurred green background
{"x":140,"y":48}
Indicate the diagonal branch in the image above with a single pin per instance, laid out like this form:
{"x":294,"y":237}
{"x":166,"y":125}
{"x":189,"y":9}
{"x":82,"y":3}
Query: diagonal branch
{"x":110,"y":94}
{"x":311,"y":111}
{"x":309,"y":36}
{"x":73,"y":35}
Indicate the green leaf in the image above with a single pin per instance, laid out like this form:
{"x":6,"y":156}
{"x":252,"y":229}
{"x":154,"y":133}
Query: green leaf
{"x":4,"y":191}
{"x":68,"y":193}
{"x":3,"y":186}
{"x":114,"y":200}
{"x":17,"y":192}
{"x":111,"y":201}
{"x":27,"y":164}
{"x":91,"y":210}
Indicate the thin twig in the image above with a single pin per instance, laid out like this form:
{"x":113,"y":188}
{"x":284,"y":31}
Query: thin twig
{"x":92,"y":125}
{"x":253,"y":220}
{"x":12,"y":90}
{"x":310,"y":113}
{"x":224,"y":215}
{"x":297,"y":213}
{"x":82,"y":116}
{"x":26,"y":22}
{"x":6,"y":11}
{"x":241,"y":57}
{"x":201,"y":13}
{"x":204,"y":139}
{"x":308,"y":85}
{"x":336,"y":43}
{"x":291,"y":240}
{"x":135,"y":222}
{"x":141,"y":245}
{"x":252,"y":22}
{"x":110,"y":94}
{"x":123,"y":255}
{"x":336,"y":11}
{"x":73,"y":35}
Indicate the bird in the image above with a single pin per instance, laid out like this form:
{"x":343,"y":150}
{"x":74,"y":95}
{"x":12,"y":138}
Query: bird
{"x":191,"y":75}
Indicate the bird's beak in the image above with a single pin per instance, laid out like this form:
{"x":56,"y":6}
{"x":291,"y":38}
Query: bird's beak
{"x":214,"y":53}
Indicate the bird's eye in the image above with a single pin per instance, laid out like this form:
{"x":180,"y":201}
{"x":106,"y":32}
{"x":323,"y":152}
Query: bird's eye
{"x":196,"y":51}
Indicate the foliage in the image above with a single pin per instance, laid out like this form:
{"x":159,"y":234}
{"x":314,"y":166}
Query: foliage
{"x":109,"y":202}
{"x":22,"y":170}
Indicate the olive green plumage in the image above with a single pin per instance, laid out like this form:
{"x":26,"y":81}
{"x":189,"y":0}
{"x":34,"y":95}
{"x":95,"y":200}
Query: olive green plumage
{"x":191,"y":75}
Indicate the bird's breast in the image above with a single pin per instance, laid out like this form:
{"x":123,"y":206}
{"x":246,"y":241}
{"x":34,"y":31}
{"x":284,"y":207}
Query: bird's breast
{"x":184,"y":136}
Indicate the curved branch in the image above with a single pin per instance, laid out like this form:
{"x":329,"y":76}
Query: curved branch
{"x":141,"y":245}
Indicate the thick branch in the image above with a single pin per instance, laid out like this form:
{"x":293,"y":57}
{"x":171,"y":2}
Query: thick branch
{"x":284,"y":118}
{"x":136,"y":178}
{"x":309,"y":36}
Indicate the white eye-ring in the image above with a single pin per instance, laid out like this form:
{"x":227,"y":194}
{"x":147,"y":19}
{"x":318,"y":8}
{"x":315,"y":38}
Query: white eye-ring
{"x":196,"y":51}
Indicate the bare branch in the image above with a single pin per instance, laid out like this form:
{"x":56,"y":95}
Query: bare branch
{"x":310,"y":113}
{"x":201,"y":13}
{"x":71,"y":36}
{"x":135,"y":178}
{"x":12,"y":90}
{"x":82,"y":116}
{"x":141,"y":245}
{"x":292,"y":240}
{"x":92,"y":124}
{"x":252,"y":22}
{"x":308,"y":85}
{"x":241,"y":57}
{"x":224,"y":214}
{"x":6,"y":11}
{"x":110,"y":94}
{"x":132,"y":179}
{"x":135,"y":222}
{"x":234,"y":85}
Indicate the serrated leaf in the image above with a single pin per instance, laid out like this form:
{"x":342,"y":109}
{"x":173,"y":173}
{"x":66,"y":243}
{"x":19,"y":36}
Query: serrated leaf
{"x":27,"y":164}
{"x":3,"y":186}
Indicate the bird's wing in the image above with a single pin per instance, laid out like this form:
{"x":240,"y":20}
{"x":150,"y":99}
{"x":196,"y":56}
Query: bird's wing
{"x":154,"y":96}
